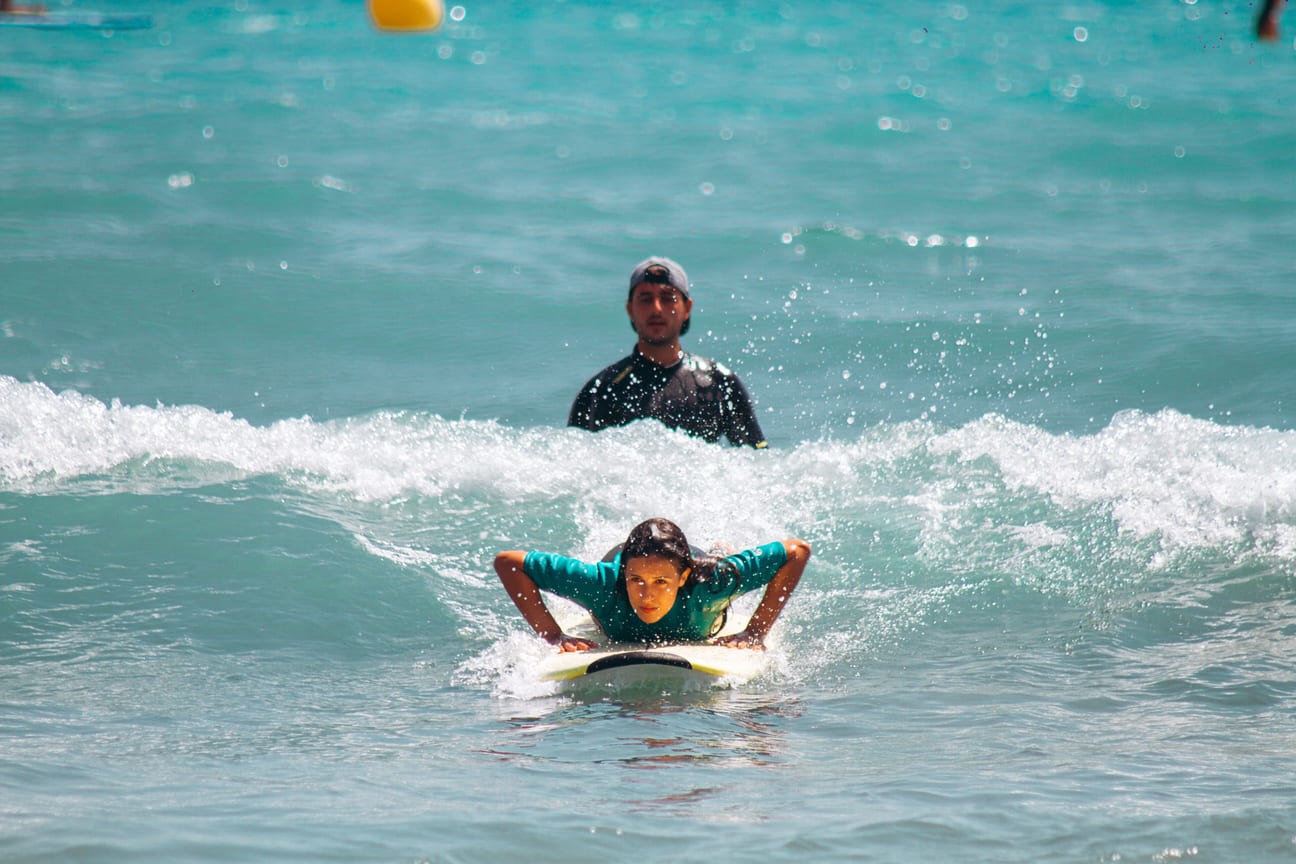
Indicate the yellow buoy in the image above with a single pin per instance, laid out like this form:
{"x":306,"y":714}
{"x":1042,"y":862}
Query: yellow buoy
{"x":407,"y":14}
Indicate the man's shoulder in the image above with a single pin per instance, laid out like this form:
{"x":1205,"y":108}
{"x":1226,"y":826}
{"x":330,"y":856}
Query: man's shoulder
{"x":707,"y":366}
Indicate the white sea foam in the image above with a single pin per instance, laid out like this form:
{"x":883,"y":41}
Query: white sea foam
{"x":1186,"y":482}
{"x":1189,"y":482}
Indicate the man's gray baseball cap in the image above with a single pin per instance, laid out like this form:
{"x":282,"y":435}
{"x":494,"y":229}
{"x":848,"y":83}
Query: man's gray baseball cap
{"x":674,"y":275}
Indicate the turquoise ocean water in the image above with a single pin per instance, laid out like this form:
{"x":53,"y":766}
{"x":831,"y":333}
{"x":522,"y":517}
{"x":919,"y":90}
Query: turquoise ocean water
{"x":292,"y":311}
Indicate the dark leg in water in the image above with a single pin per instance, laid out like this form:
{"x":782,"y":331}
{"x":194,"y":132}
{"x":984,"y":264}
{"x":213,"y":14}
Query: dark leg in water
{"x":1267,"y":22}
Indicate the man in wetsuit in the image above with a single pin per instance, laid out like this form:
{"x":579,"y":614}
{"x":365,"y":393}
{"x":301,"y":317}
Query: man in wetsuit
{"x":659,"y":379}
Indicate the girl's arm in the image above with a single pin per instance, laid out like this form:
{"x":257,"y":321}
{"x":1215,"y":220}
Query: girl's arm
{"x":526,"y":596}
{"x":776,"y":595}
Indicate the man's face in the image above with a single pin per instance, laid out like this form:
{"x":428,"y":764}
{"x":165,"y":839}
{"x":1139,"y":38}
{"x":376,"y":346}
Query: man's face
{"x":658,"y":312}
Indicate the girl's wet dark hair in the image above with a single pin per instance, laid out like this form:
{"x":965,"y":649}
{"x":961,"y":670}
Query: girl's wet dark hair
{"x":657,"y":538}
{"x":662,"y":538}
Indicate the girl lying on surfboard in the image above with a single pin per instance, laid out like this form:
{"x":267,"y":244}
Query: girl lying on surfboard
{"x":655,"y":590}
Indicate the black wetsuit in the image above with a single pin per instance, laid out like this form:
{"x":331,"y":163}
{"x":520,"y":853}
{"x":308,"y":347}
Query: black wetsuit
{"x":696,"y":395}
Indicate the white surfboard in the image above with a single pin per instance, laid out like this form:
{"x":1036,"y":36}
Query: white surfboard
{"x":675,"y":667}
{"x":682,"y":666}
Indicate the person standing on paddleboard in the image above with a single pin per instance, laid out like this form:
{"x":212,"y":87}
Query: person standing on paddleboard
{"x":662,"y":381}
{"x":655,"y":590}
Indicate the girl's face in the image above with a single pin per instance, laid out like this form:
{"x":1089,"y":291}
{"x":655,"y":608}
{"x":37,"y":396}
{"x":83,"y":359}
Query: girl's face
{"x":652,"y":585}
